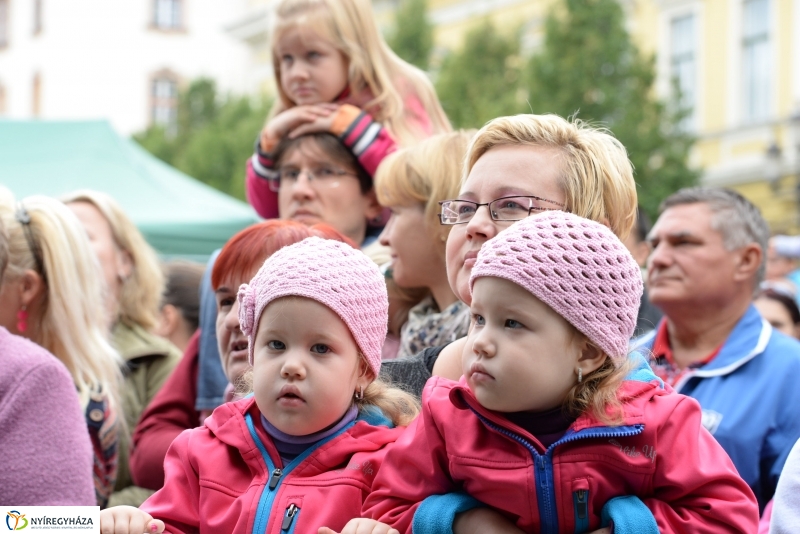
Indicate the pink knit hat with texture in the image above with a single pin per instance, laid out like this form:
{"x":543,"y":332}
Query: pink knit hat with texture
{"x":332,"y":273}
{"x":577,"y":267}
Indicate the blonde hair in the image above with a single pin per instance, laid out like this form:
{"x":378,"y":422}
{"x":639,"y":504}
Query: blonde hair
{"x":597,"y":392}
{"x":425,"y":174}
{"x":72,"y":325}
{"x":597,"y":177}
{"x":349,"y":25}
{"x":140,"y":294}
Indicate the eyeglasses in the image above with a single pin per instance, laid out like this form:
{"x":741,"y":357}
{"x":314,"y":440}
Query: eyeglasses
{"x":321,"y":177}
{"x":501,"y":209}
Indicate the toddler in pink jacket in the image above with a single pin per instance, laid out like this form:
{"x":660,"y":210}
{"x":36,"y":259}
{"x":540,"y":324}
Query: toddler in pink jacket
{"x":553,"y":425}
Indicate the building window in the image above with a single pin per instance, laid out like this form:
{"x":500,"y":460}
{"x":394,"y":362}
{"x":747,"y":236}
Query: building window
{"x":37,"y":16}
{"x":755,"y":60}
{"x":682,"y":64}
{"x":5,"y":26}
{"x":167,"y":14}
{"x":165,"y":103}
{"x":36,"y":95}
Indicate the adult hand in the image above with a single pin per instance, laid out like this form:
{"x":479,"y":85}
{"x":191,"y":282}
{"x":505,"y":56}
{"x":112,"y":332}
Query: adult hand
{"x":361,"y":526}
{"x":285,"y":122}
{"x":482,"y":520}
{"x":128,"y":520}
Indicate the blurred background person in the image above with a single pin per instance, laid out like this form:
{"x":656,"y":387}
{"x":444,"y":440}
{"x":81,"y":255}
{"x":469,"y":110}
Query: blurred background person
{"x":180,"y":303}
{"x":47,"y":454}
{"x":779,"y":308}
{"x":636,"y":243}
{"x":410,"y":183}
{"x":134,"y":286}
{"x":52,"y":294}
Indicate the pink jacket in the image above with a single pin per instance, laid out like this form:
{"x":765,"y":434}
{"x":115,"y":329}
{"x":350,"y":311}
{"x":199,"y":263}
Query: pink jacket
{"x":227,"y":477}
{"x":366,"y":138}
{"x":660,"y":454}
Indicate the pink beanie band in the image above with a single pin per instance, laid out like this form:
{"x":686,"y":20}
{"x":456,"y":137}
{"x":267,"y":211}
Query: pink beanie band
{"x":577,"y":267}
{"x":332,"y":273}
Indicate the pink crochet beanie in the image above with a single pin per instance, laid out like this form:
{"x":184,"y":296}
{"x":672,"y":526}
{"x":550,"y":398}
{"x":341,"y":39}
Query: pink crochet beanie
{"x":332,"y":273}
{"x":577,"y":267}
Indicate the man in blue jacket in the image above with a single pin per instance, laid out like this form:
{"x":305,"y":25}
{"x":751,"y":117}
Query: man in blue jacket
{"x":707,"y":260}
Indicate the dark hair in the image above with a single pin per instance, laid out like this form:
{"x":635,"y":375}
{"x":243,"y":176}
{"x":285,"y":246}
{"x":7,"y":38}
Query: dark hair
{"x":332,"y":147}
{"x":782,"y":298}
{"x":642,"y":226}
{"x":183,"y":289}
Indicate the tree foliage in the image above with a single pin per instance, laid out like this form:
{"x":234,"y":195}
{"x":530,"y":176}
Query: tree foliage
{"x":213,"y":137}
{"x":589,"y":66}
{"x":412,"y":37}
{"x":481,"y":81}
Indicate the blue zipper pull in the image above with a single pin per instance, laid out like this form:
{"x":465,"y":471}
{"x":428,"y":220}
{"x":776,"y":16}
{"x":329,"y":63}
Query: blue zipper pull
{"x":288,"y":519}
{"x":582,"y":508}
{"x":542,"y":467}
{"x":276,"y":476}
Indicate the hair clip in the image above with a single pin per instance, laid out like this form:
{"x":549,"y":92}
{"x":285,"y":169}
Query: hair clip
{"x":22,"y":214}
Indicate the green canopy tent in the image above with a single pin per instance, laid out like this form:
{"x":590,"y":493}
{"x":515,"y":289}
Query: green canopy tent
{"x":178,"y":215}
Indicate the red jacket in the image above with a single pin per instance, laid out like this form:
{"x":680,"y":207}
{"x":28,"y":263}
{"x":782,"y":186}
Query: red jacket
{"x":227,"y":477}
{"x":660,"y":454}
{"x":169,"y":413}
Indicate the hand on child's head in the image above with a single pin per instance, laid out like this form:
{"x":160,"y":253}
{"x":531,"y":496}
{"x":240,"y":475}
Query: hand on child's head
{"x":128,"y":520}
{"x":361,"y":526}
{"x":287,"y":121}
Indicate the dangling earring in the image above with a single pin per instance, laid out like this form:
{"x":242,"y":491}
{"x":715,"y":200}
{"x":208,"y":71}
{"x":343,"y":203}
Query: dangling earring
{"x":360,"y":394}
{"x":22,"y":319}
{"x":580,"y":375}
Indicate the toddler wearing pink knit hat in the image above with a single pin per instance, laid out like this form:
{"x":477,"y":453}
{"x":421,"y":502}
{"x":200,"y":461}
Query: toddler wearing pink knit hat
{"x":553,"y":423}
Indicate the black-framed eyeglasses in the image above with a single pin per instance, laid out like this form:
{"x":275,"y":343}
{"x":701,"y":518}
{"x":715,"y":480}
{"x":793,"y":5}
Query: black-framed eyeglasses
{"x":322,"y":177}
{"x":513,"y":208}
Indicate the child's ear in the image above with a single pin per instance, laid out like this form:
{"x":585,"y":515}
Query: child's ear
{"x":591,"y":357}
{"x":365,"y":374}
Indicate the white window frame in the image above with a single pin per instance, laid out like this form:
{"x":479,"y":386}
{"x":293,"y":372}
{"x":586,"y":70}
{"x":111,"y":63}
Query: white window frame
{"x":164,"y":107}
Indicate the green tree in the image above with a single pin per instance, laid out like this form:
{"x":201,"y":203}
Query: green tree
{"x":412,"y":37}
{"x":213,"y":137}
{"x":589,"y":67}
{"x":482,"y":80}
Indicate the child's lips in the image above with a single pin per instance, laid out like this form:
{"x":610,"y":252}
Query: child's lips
{"x":479,"y":372}
{"x":290,"y":395}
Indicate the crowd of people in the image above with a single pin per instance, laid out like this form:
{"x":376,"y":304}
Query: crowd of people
{"x":383,"y":355}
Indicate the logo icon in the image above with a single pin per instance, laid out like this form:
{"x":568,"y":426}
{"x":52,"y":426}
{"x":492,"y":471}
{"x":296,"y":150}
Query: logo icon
{"x":17,"y":517}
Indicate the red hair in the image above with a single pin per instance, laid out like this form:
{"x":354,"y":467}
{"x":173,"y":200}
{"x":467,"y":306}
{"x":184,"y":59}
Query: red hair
{"x":246,"y":251}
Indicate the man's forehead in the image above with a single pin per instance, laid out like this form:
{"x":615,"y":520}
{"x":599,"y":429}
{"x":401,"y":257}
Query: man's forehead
{"x":688,"y":219}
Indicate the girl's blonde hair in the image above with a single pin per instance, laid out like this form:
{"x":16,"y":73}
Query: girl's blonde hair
{"x":72,"y":325}
{"x":425,"y":174}
{"x":597,"y":176}
{"x":140,"y":294}
{"x":349,"y":25}
{"x":597,"y":392}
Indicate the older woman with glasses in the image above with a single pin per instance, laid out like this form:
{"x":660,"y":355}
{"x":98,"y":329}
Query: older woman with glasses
{"x":518,"y":166}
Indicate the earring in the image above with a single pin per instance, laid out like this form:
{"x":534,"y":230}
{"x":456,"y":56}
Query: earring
{"x":580,"y":375}
{"x":22,"y":319}
{"x":360,"y":394}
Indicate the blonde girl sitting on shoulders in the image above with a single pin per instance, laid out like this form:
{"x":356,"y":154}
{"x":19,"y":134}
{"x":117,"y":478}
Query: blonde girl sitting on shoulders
{"x":553,"y":424}
{"x":302,"y":451}
{"x":335,"y":73}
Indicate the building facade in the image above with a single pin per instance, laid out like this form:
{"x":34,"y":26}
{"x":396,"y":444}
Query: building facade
{"x":123,"y":60}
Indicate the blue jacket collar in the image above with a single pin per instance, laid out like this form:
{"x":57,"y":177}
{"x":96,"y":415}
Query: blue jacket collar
{"x":746,"y":341}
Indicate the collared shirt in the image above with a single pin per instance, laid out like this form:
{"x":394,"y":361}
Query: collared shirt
{"x":664,"y":365}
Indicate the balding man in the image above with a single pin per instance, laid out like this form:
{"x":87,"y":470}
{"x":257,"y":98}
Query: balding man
{"x":707,"y":259}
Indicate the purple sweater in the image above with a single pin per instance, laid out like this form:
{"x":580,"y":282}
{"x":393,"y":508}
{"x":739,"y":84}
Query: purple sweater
{"x":46,"y":453}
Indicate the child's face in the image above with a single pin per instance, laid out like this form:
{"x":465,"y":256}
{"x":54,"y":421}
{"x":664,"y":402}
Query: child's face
{"x":312,"y":70}
{"x":520,"y":355}
{"x":306,"y":366}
